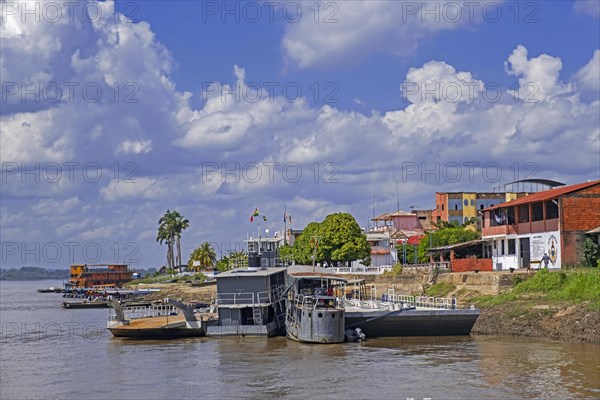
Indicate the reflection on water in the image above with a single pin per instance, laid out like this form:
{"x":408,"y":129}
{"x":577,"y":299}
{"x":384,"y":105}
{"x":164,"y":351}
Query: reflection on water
{"x":49,"y":361}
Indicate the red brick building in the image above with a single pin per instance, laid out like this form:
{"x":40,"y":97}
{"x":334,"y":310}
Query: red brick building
{"x":554,"y":222}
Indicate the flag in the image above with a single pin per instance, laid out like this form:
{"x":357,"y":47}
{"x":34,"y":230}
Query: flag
{"x":254,"y":214}
{"x":284,"y":216}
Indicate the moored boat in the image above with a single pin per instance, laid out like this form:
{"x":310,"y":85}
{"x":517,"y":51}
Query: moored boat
{"x":314,"y":313}
{"x":402,"y":315}
{"x":170,"y":320}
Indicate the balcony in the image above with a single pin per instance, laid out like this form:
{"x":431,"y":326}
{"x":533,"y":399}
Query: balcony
{"x":499,"y":230}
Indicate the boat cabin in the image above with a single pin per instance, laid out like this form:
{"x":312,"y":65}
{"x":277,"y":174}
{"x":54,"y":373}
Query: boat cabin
{"x":249,"y":302}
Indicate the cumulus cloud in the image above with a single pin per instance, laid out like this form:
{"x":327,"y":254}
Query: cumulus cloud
{"x":134,"y":147}
{"x":588,"y":77}
{"x":142,"y":188}
{"x":357,"y":29}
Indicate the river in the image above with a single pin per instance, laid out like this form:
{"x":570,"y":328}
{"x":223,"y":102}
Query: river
{"x":50,"y":353}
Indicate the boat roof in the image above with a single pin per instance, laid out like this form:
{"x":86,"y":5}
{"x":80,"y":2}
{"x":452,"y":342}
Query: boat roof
{"x":238,"y":272}
{"x":308,"y":272}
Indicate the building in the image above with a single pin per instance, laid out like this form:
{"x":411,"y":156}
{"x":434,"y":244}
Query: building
{"x":91,"y":275}
{"x":554,"y":221}
{"x":383,"y":252}
{"x":462,"y":206}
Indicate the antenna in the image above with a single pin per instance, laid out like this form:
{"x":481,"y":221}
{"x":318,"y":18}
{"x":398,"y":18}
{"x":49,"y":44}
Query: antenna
{"x":397,"y":196}
{"x":373,"y":203}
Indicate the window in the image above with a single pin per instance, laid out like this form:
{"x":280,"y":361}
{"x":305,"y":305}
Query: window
{"x":466,"y":202}
{"x":537,"y":211}
{"x":456,"y":206}
{"x":442,"y":207}
{"x":523,"y":213}
{"x":510,"y":215}
{"x":472,"y":203}
{"x":481,"y":207}
{"x":502,"y":247}
{"x":552,"y":209}
{"x":512,"y":246}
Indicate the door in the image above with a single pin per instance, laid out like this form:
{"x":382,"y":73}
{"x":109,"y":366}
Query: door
{"x":524,"y":253}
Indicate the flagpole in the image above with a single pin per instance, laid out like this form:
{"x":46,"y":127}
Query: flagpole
{"x":285,"y":226}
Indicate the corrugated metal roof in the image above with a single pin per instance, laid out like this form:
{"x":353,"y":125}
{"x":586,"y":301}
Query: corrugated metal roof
{"x":545,"y":195}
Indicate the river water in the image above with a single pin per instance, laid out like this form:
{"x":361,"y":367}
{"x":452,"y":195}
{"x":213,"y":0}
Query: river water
{"x":50,"y":353}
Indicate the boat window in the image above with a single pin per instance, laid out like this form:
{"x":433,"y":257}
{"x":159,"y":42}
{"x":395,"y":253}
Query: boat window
{"x":320,"y":315}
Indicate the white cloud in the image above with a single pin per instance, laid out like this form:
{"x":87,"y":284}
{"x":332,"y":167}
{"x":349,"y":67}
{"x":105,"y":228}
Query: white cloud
{"x":56,"y":207}
{"x":587,"y":7}
{"x":140,"y":189}
{"x":134,"y":147}
{"x":588,"y":77}
{"x":351,"y":30}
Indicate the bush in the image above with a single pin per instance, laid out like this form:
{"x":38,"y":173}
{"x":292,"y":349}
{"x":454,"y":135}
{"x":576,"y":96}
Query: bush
{"x":591,"y":253}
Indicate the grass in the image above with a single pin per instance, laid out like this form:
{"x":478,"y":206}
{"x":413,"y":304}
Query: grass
{"x":575,"y":286}
{"x":440,"y":289}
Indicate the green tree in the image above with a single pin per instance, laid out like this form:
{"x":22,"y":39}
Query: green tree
{"x":338,"y":239}
{"x":304,"y":244}
{"x":206,"y":256}
{"x":166,"y":235}
{"x":170,"y":227}
{"x":591,"y":253}
{"x":444,"y":237}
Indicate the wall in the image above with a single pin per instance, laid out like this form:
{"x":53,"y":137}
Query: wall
{"x":579,"y":210}
{"x":470,"y":264}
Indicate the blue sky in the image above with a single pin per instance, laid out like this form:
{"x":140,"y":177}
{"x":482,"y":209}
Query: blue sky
{"x":200,"y":154}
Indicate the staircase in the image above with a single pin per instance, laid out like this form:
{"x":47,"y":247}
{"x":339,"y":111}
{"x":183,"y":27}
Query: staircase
{"x":257,"y":315}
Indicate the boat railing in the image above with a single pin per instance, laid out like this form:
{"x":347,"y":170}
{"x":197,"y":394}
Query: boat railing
{"x":314,"y":302}
{"x":146,"y":311}
{"x":410,"y":301}
{"x":249,"y":298}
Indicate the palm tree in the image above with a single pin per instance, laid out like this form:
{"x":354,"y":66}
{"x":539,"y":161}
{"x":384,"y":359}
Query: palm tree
{"x":206,"y":256}
{"x":170,"y":227}
{"x":180,"y":224}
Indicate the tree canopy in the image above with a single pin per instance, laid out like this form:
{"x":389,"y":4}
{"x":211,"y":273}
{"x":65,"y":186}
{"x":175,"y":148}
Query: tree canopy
{"x":206,"y":256}
{"x":445,"y":237}
{"x":338,"y":239}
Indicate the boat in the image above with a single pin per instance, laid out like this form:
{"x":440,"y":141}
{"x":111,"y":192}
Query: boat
{"x":314,"y":314}
{"x":85,"y":304}
{"x":401,"y":315}
{"x":249,"y":302}
{"x":101,"y":304}
{"x":170,"y":320}
{"x":51,"y":289}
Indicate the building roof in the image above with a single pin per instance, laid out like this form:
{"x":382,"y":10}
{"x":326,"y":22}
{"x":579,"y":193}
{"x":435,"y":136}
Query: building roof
{"x":545,"y":195}
{"x":388,"y":216}
{"x":595,"y":230}
{"x":458,"y":245}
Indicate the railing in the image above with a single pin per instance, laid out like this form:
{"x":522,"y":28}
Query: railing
{"x":145,"y":312}
{"x":388,"y":300}
{"x":362,"y":270}
{"x":315,"y":302}
{"x":250,"y":298}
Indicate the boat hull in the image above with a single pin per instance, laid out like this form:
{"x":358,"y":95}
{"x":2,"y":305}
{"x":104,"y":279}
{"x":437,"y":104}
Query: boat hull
{"x":317,"y":326}
{"x":440,"y":322}
{"x":157,"y":333}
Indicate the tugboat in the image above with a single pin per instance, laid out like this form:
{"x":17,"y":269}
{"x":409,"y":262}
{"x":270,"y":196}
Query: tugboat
{"x":314,"y":314}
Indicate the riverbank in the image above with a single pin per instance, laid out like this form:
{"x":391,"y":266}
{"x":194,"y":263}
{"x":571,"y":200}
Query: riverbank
{"x":559,"y":305}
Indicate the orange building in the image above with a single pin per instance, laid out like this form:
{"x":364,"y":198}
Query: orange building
{"x":91,"y":275}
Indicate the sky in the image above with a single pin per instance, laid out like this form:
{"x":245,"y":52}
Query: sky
{"x":114,"y":112}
